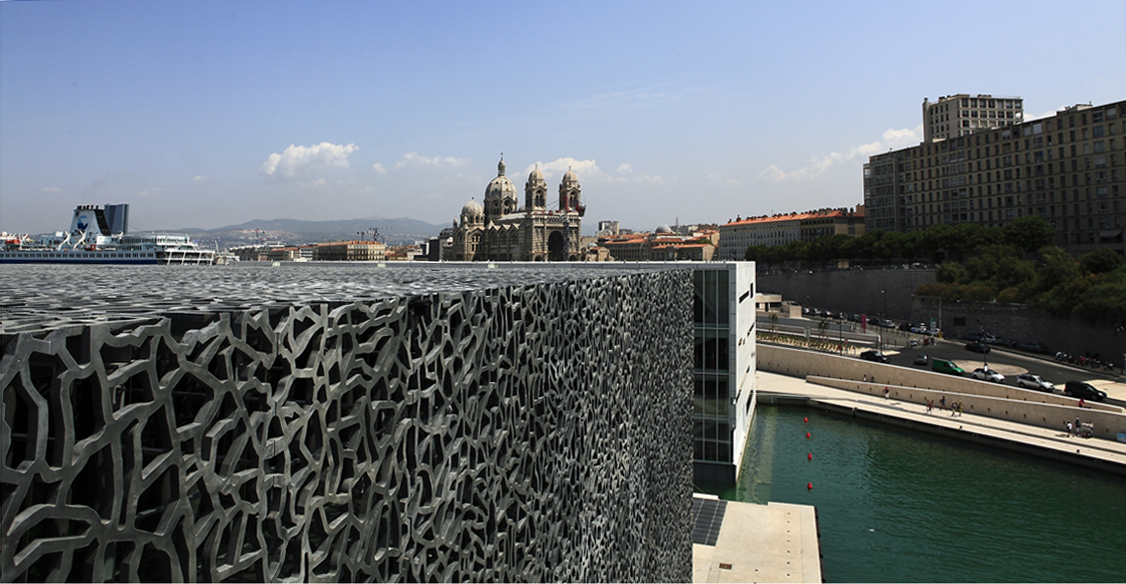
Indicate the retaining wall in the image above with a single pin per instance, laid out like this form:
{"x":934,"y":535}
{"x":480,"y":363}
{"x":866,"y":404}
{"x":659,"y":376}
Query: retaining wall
{"x":979,"y":397}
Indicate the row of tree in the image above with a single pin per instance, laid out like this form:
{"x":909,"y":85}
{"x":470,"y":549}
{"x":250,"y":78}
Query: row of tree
{"x":1092,"y":287}
{"x":1014,"y":263}
{"x":935,"y":244}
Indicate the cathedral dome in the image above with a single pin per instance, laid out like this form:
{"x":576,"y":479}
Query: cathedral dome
{"x":500,"y":186}
{"x":570,"y":177}
{"x":472,"y":209}
{"x":664,"y":229}
{"x":536,"y":174}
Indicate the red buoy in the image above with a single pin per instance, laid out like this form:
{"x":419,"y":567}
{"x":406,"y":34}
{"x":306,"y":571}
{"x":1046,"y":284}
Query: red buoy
{"x":806,"y":420}
{"x":807,"y":434}
{"x":809,"y":486}
{"x":809,"y":456}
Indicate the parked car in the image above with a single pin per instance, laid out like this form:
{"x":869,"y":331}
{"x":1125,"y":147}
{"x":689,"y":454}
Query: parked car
{"x":921,"y":359}
{"x":992,"y":340}
{"x":1033,"y":348}
{"x":888,"y":324}
{"x":1084,"y":390}
{"x":1030,"y":381}
{"x":987,"y":374}
{"x":944,"y":366}
{"x":977,"y":347}
{"x":874,"y":356}
{"x":975,"y":337}
{"x":920,"y":329}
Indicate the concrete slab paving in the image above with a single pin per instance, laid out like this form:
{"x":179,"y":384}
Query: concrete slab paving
{"x":761,"y":543}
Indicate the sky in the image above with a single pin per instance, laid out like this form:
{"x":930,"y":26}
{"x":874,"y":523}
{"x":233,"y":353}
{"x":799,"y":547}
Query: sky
{"x":204,"y":114}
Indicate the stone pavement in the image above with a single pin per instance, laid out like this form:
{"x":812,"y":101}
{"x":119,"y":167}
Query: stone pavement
{"x":776,"y":542}
{"x":1055,"y":442}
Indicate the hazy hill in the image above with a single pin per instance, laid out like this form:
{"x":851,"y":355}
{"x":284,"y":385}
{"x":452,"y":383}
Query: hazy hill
{"x":296,"y":231}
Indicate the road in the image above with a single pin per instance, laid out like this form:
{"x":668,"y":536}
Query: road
{"x":1008,"y":362}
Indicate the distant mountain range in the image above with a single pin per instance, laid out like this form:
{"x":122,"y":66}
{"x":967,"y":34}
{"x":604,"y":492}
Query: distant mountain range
{"x":298,"y":232}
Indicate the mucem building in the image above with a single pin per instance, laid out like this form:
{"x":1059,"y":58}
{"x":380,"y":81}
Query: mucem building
{"x":347,"y":423}
{"x":723,"y":363}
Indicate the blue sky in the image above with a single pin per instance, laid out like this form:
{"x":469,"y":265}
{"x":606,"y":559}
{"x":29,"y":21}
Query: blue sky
{"x":205,"y":114}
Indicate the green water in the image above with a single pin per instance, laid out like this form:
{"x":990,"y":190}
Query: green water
{"x":899,"y":506}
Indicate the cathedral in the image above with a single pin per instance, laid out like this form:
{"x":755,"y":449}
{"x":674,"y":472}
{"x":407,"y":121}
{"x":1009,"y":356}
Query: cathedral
{"x":499,"y":231}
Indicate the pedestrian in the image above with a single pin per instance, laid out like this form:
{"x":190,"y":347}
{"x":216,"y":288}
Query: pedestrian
{"x":1081,"y":402}
{"x":887,"y":394}
{"x":865,"y":378}
{"x":943,"y":402}
{"x":959,"y":409}
{"x":953,"y":409}
{"x":1069,"y":430}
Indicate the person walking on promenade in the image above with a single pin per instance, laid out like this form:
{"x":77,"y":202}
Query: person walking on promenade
{"x":943,"y":402}
{"x":959,"y":409}
{"x":887,"y":394}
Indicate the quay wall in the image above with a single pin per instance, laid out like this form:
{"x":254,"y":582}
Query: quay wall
{"x":906,"y":384}
{"x":525,"y":432}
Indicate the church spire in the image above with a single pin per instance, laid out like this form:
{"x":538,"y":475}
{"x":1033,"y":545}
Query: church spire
{"x":500,"y":165}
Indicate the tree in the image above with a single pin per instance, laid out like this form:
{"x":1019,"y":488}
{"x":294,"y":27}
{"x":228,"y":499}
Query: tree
{"x":1056,"y":268}
{"x":1001,"y":267}
{"x":950,"y":273}
{"x":1101,"y":261}
{"x":1028,"y":233}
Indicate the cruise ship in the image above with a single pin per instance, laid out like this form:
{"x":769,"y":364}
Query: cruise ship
{"x":99,"y":235}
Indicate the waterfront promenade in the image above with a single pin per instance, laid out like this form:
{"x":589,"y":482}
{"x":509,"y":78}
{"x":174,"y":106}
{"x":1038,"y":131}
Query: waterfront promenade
{"x":779,"y":542}
{"x":1051,"y":443}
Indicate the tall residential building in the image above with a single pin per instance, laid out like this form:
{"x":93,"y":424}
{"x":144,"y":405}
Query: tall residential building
{"x":963,"y":114}
{"x":1069,"y":168}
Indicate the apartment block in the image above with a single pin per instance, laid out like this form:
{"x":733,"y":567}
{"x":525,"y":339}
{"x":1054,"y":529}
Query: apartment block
{"x":963,"y":114}
{"x":1069,"y":168}
{"x":773,"y":230}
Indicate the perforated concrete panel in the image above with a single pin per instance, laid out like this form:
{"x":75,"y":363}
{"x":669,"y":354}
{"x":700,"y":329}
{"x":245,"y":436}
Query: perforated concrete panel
{"x":537,"y":432}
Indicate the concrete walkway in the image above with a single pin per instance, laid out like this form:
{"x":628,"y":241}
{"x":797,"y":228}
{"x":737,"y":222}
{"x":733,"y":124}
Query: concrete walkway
{"x":1096,"y":452}
{"x":761,"y":543}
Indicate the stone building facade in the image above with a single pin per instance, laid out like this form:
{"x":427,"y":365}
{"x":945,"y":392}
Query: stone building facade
{"x":500,"y":230}
{"x":1069,"y":169}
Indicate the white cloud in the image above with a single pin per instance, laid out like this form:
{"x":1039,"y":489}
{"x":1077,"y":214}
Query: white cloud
{"x":51,"y":189}
{"x":625,"y":168}
{"x":584,"y":169}
{"x":151,"y":192}
{"x":719,"y":179}
{"x":297,"y":161}
{"x":201,"y":178}
{"x":1029,"y":117}
{"x":379,"y":168}
{"x":415,"y":159}
{"x":891,"y":139}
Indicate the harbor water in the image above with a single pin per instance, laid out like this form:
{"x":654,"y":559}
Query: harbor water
{"x":895,"y":505}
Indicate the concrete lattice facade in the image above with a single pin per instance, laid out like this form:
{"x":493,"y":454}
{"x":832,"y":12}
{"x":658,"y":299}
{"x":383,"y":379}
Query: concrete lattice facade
{"x":483,"y":431}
